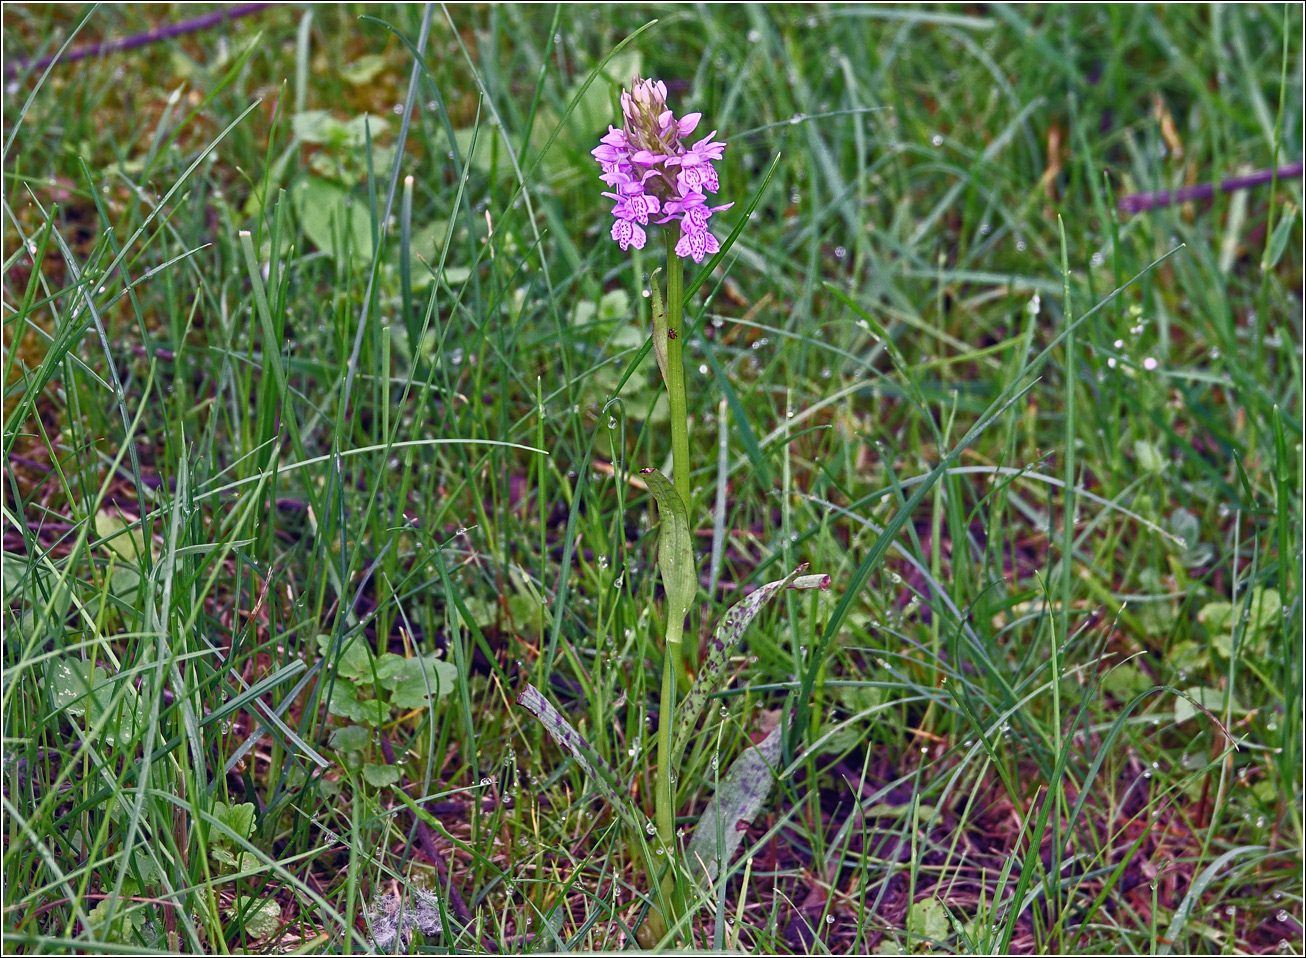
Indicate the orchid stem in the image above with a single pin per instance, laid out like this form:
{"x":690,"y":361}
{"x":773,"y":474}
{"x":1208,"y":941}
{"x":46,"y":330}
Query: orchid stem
{"x":675,"y":372}
{"x":672,"y":659}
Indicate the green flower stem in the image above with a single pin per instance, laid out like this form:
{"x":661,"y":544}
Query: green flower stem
{"x":675,"y":371}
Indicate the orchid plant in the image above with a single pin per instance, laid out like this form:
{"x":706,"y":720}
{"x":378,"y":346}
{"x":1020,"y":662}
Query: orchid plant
{"x":658,"y":178}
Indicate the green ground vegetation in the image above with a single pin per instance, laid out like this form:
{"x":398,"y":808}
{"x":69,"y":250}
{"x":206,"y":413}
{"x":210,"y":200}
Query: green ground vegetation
{"x":310,"y":466}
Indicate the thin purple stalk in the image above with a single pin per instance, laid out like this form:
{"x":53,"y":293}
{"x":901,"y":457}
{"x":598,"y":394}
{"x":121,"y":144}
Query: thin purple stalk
{"x":1141,"y":202}
{"x":141,"y":39}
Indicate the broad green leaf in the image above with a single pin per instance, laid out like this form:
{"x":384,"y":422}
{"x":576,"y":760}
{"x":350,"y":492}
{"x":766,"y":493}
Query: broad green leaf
{"x":260,"y":916}
{"x":321,"y":127}
{"x":929,"y":919}
{"x":345,"y":703}
{"x":413,"y":681}
{"x":724,"y":642}
{"x":80,"y":690}
{"x":1262,"y":614}
{"x":239,"y":818}
{"x":354,"y":661}
{"x":585,"y":755}
{"x":1187,"y":528}
{"x":675,"y":551}
{"x":738,"y":799}
{"x":125,"y":921}
{"x":379,"y":776}
{"x":126,"y":539}
{"x":70,"y":682}
{"x":350,"y":738}
{"x":363,"y":70}
{"x":144,"y":866}
{"x":124,"y":584}
{"x":331,"y":216}
{"x":1126,"y":681}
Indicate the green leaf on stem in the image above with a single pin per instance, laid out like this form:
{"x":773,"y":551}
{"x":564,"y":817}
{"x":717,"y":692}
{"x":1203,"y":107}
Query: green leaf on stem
{"x":724,"y":642}
{"x":659,"y":325}
{"x":585,"y":754}
{"x":675,"y":551}
{"x":739,"y":797}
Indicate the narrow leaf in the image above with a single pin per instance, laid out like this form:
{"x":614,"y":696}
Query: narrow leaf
{"x":586,"y":756}
{"x":739,"y":797}
{"x":675,"y":551}
{"x":724,"y":642}
{"x":1279,"y":241}
{"x":659,"y":324}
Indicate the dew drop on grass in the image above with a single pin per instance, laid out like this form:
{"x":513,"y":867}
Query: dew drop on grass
{"x":1282,"y":915}
{"x":725,"y":712}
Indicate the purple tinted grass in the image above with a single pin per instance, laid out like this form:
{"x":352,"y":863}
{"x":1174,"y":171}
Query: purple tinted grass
{"x":177,"y":29}
{"x":1142,"y":202}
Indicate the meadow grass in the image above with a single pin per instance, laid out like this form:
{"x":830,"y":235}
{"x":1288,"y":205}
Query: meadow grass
{"x":276,"y":405}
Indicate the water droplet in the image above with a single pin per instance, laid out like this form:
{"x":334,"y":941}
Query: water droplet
{"x":1281,"y":915}
{"x":937,"y":139}
{"x":796,"y":119}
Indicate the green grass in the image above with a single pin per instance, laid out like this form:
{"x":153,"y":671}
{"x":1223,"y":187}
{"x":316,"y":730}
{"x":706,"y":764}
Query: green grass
{"x":241,"y":468}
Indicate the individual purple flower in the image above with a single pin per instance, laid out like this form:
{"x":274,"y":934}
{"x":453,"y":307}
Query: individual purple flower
{"x":651,"y":170}
{"x":696,"y":245}
{"x":628,"y":233}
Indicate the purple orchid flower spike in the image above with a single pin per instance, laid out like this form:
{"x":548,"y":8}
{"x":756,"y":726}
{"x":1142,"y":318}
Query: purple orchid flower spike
{"x":651,"y":170}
